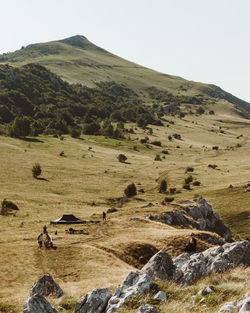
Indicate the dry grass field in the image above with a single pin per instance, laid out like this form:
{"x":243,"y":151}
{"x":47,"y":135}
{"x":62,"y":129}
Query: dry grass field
{"x":87,"y":181}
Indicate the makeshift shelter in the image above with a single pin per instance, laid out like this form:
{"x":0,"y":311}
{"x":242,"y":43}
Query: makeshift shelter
{"x":67,"y":219}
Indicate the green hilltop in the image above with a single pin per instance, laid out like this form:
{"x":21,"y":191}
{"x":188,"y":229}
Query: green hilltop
{"x":77,"y":60}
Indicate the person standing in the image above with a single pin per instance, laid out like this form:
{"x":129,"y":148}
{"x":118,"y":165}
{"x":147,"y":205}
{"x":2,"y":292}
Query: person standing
{"x":45,"y":229}
{"x":104,"y":216}
{"x":40,"y":240}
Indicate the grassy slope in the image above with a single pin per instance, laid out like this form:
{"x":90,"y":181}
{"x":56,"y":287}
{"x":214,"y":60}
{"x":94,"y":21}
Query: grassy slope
{"x":77,"y":60}
{"x":72,"y":183}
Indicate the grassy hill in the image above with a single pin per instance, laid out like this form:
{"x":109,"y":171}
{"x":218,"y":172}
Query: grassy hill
{"x":77,"y":60}
{"x":87,"y":181}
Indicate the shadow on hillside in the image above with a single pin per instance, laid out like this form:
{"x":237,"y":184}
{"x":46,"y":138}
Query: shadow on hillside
{"x":31,"y":139}
{"x":41,"y":178}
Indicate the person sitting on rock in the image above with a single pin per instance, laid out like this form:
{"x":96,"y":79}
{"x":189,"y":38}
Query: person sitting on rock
{"x":191,"y":246}
{"x":40,"y":240}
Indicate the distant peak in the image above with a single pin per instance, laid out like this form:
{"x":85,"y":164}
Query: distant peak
{"x":78,"y":41}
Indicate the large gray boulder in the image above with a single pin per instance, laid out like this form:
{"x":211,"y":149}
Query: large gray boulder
{"x":46,"y":286}
{"x":38,"y":304}
{"x":160,"y":266}
{"x":213,"y":260}
{"x":241,"y":306}
{"x":94,"y":301}
{"x":147,"y":309}
{"x":135,"y":283}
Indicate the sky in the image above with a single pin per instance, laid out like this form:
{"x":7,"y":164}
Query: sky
{"x":200,"y":40}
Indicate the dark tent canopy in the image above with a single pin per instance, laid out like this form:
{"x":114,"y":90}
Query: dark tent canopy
{"x":68,"y":219}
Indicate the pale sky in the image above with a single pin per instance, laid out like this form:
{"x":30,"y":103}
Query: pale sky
{"x":200,"y":40}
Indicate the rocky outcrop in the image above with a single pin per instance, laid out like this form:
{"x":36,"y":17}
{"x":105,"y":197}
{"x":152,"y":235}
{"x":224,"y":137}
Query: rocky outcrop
{"x":147,"y":309}
{"x":38,"y":304}
{"x":241,"y":306}
{"x":135,"y":283}
{"x":213,"y":260}
{"x":94,"y":301}
{"x":205,"y":290}
{"x":160,"y":266}
{"x":46,"y":286}
{"x":198,"y":214}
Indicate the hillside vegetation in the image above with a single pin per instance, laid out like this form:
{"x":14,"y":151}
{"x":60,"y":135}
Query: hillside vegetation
{"x":77,"y":60}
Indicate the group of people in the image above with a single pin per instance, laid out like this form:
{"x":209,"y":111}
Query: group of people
{"x":48,"y":243}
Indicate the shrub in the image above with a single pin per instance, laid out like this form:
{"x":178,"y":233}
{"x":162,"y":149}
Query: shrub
{"x":163,"y":186}
{"x":122,"y":158}
{"x":196,"y":183}
{"x":172,"y":191}
{"x":75,"y":133}
{"x":143,"y":140}
{"x":213,"y":166}
{"x":8,"y":206}
{"x":170,"y":138}
{"x":169,"y":199}
{"x":177,"y":136}
{"x":156,"y":143}
{"x":164,"y":151}
{"x":215,"y":148}
{"x":200,"y":111}
{"x":36,"y":170}
{"x":157,"y":157}
{"x":130,"y":190}
{"x":62,"y":154}
{"x":189,"y":169}
{"x":186,"y":186}
{"x":211,"y":112}
{"x":189,"y":179}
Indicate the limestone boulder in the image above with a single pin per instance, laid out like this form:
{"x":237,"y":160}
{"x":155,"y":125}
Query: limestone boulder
{"x":240,"y":306}
{"x":46,"y":286}
{"x":160,"y":266}
{"x":38,"y":304}
{"x":213,"y":260}
{"x":135,"y":283}
{"x":94,"y":301}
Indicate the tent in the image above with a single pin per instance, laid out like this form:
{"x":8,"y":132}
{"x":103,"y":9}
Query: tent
{"x":68,"y":219}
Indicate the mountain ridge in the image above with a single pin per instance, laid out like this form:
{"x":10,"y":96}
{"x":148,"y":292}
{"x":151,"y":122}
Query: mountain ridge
{"x":77,"y":60}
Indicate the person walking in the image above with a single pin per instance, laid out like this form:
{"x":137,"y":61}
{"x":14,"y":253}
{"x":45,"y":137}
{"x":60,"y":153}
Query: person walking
{"x":104,"y":216}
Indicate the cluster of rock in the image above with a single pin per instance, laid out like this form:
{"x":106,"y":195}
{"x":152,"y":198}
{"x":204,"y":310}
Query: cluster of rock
{"x":199,"y":215}
{"x":241,"y":306}
{"x":183,"y":269}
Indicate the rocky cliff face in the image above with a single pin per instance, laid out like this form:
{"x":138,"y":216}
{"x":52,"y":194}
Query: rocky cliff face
{"x":199,"y":215}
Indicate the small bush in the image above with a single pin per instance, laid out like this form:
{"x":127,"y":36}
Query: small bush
{"x":163,"y":186}
{"x":156,"y":143}
{"x":62,"y":154}
{"x":143,"y":140}
{"x":8,"y":206}
{"x":196,"y":183}
{"x":177,"y":136}
{"x":211,"y":112}
{"x":157,"y":157}
{"x":130,"y":190}
{"x":189,"y":179}
{"x":169,"y":199}
{"x":36,"y":170}
{"x":170,"y":138}
{"x":213,"y":166}
{"x":164,"y":151}
{"x":75,"y":133}
{"x":215,"y":148}
{"x":189,"y":169}
{"x":122,"y":158}
{"x":172,"y":191}
{"x":186,"y":186}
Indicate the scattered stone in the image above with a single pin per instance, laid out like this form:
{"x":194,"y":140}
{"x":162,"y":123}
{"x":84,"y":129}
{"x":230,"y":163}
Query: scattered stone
{"x":206,"y":290}
{"x":241,"y":306}
{"x":160,"y":266}
{"x":147,"y":309}
{"x":161,"y":295}
{"x":38,"y":304}
{"x":94,"y":301}
{"x":46,"y":286}
{"x":135,"y":283}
